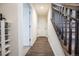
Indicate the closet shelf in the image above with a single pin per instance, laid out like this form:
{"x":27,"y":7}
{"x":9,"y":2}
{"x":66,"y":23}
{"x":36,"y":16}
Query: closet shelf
{"x":4,"y":37}
{"x":7,"y":52}
{"x":7,"y":46}
{"x":7,"y":40}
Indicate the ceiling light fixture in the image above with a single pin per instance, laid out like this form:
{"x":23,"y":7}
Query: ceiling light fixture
{"x":41,"y":7}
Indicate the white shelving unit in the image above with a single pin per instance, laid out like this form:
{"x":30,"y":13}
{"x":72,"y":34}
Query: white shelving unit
{"x":4,"y":38}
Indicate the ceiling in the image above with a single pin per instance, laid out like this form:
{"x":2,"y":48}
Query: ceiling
{"x":41,"y":8}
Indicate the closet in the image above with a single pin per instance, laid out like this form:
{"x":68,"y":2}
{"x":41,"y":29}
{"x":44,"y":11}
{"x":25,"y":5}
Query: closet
{"x":4,"y":37}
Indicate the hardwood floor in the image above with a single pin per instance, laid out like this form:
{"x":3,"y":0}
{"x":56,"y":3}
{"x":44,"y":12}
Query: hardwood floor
{"x":40,"y":48}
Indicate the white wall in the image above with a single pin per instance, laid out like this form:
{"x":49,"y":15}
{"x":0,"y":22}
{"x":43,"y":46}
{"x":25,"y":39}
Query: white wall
{"x":34,"y":26}
{"x":53,"y":39}
{"x":42,"y":26}
{"x":10,"y":12}
{"x":20,"y":29}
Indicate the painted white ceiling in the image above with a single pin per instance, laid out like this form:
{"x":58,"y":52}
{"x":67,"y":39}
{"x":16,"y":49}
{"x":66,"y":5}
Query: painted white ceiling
{"x":41,"y":8}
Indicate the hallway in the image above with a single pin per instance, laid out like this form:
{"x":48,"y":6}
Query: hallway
{"x":40,"y":48}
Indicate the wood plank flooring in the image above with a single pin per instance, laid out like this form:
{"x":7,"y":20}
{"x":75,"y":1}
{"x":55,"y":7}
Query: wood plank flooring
{"x":40,"y":48}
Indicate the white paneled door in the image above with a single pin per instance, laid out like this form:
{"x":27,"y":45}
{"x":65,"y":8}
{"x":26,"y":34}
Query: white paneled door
{"x":26,"y":24}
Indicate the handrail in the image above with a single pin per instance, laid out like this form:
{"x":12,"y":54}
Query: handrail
{"x":74,"y":6}
{"x":67,"y":15}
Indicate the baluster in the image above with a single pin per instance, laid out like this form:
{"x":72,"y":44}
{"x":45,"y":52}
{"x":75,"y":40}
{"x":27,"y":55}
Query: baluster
{"x":62,"y":27}
{"x":65,"y":39}
{"x":77,"y":38}
{"x":70,"y":37}
{"x":62,"y":23}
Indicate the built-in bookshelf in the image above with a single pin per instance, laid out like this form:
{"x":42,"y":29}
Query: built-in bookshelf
{"x":4,"y":37}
